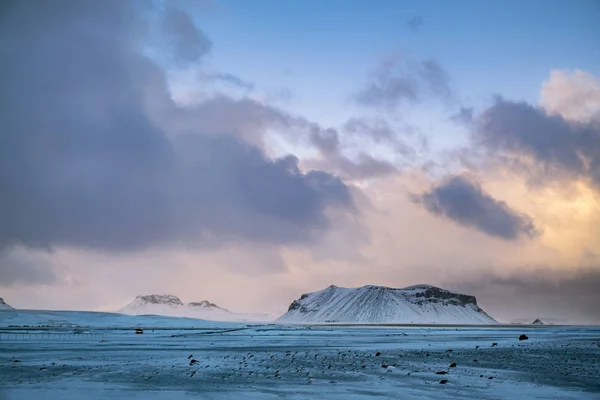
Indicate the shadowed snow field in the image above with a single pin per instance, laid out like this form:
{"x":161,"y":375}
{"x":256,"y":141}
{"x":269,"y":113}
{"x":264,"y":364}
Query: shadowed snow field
{"x":99,"y":356}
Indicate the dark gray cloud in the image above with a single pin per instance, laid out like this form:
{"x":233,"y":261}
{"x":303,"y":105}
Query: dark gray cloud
{"x":244,"y":118}
{"x":513,"y":130}
{"x":415,"y":24}
{"x":464,"y":202}
{"x":83,"y":164}
{"x":187,"y":42}
{"x":398,"y":81}
{"x":556,"y":295}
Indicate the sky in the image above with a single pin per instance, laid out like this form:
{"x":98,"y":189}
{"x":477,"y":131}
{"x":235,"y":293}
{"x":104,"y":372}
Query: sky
{"x":247,"y":152}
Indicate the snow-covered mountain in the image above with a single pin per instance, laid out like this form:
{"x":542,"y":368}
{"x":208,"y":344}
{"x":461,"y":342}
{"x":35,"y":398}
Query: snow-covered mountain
{"x":539,"y":321}
{"x":171,"y":306}
{"x":419,"y":304}
{"x":4,"y":306}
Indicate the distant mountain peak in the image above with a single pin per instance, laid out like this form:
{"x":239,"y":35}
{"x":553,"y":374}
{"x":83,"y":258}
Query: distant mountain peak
{"x":172,"y":306}
{"x":4,"y":306}
{"x":206,"y":305}
{"x":422,"y":303}
{"x":160,"y":299}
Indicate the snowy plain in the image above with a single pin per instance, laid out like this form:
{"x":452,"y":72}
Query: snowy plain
{"x":79,"y":355}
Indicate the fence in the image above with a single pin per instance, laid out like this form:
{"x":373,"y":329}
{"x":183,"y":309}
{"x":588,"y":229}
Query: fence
{"x":46,"y":336}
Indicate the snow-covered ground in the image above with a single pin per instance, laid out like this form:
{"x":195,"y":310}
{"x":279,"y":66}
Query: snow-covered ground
{"x":235,"y":361}
{"x":78,"y":319}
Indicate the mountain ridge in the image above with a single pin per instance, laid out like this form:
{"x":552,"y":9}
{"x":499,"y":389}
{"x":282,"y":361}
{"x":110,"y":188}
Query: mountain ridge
{"x":171,"y":306}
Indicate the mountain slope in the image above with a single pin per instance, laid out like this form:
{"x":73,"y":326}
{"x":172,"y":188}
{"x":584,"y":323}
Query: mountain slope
{"x":172,"y":306}
{"x":4,"y":306}
{"x":419,"y":304}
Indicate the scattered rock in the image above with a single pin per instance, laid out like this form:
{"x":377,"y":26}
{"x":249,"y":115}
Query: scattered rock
{"x":453,"y":365}
{"x":444,"y":381}
{"x":494,"y":344}
{"x":441,"y":373}
{"x":384,"y":365}
{"x":523,"y":337}
{"x":377,"y":354}
{"x":194,"y":361}
{"x":491,"y":377}
{"x":190,"y":356}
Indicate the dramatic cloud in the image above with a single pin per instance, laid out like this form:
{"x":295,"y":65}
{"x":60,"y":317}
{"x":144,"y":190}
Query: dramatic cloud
{"x":559,"y":296}
{"x":251,"y":120}
{"x":464,"y":202}
{"x":546,"y":147}
{"x":83,"y":164}
{"x":399,"y":81}
{"x":574,"y":96}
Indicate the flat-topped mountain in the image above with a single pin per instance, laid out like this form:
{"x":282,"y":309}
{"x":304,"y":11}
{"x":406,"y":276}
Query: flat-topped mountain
{"x":419,"y":304}
{"x":4,"y":306}
{"x":172,"y":306}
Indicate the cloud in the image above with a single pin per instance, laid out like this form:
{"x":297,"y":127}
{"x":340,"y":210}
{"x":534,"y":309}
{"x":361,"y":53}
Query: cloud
{"x":575,"y":96}
{"x":361,"y":167}
{"x":434,"y":75}
{"x":415,"y":24}
{"x":188,"y":43}
{"x":464,"y":202}
{"x":547,"y":147}
{"x":83,"y":163}
{"x":19,"y":267}
{"x":564,"y":296}
{"x":232,"y":80}
{"x":251,"y":120}
{"x":398,"y":81}
{"x":463,"y":116}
